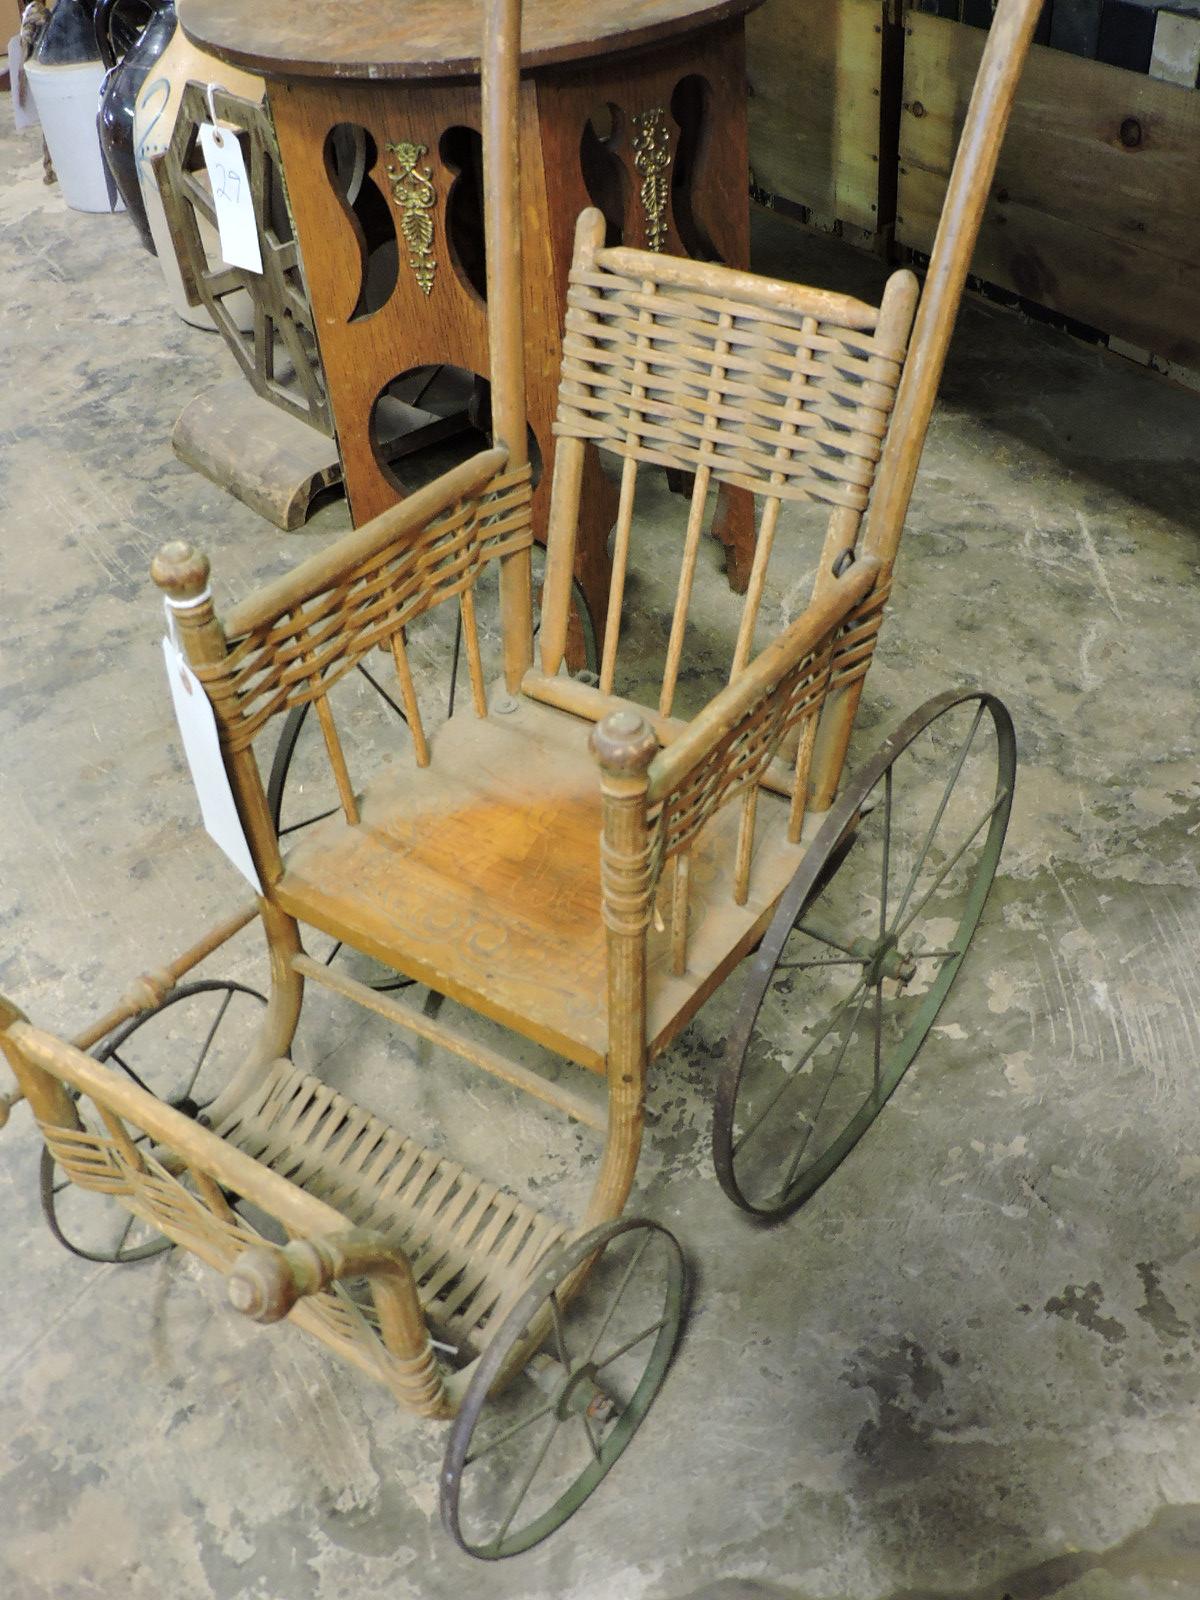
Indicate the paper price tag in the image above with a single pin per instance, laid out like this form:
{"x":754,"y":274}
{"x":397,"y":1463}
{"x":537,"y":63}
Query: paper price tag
{"x":198,"y":728}
{"x":232,"y":199}
{"x":24,"y":111}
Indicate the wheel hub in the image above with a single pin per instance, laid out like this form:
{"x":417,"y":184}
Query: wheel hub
{"x":882,"y":958}
{"x":580,"y":1393}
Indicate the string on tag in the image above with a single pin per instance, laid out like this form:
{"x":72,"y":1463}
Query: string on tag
{"x":170,"y":607}
{"x":218,"y":137}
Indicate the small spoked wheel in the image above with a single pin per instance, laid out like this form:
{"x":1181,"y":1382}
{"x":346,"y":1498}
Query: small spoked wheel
{"x":863,"y":949}
{"x":183,"y":1051}
{"x":521,"y":1461}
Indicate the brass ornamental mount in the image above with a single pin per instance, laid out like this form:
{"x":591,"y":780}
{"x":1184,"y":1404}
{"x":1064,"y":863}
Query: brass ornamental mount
{"x":416,"y":197}
{"x":652,"y":158}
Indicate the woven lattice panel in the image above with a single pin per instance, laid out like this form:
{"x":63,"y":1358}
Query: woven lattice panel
{"x":776,"y":401}
{"x":96,"y":1160}
{"x":742,"y":756}
{"x":471,"y":1244}
{"x":855,"y":643}
{"x":301,"y":654}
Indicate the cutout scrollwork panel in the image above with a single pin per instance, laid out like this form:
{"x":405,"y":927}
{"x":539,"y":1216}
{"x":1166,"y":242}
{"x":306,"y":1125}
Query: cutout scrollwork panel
{"x":692,"y":191}
{"x":352,"y":167}
{"x":601,"y":163}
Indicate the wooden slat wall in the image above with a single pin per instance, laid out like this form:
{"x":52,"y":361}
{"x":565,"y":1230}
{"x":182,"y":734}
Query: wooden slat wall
{"x":1093,"y":224}
{"x":815,"y":72}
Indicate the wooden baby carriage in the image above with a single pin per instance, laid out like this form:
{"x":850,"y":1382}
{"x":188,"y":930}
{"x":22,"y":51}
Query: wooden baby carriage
{"x":590,"y":904}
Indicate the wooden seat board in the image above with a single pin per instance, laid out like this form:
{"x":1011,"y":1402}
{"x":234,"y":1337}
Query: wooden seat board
{"x":480,"y":876}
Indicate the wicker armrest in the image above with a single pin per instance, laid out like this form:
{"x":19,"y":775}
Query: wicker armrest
{"x":740,"y":702}
{"x":395,"y":527}
{"x":266,"y":1282}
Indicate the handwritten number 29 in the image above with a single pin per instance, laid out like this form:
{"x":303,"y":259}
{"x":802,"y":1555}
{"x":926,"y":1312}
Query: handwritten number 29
{"x":230,"y":185}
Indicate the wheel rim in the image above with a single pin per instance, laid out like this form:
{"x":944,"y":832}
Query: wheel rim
{"x":94,"y":1226}
{"x":559,"y":1402}
{"x":785,"y":1118}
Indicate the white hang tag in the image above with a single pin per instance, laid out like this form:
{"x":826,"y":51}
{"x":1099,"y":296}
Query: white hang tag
{"x":198,"y":728}
{"x":24,"y":111}
{"x":232,"y":200}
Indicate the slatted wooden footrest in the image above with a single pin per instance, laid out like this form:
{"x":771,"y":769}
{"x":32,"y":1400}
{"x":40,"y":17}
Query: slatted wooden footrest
{"x":472,"y":1245}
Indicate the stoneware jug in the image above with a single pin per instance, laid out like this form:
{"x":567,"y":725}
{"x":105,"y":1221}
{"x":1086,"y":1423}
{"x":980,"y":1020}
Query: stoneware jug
{"x":64,"y":77}
{"x":125,"y":76}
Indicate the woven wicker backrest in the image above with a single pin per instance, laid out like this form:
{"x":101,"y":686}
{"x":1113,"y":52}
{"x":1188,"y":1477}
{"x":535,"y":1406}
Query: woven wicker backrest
{"x":786,"y":392}
{"x":743,"y":383}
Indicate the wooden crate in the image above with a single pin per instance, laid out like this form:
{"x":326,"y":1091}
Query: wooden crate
{"x":816,"y":77}
{"x":1094,"y":209}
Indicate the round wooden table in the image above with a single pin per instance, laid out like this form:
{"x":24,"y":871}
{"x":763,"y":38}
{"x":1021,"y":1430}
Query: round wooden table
{"x":637,"y":106}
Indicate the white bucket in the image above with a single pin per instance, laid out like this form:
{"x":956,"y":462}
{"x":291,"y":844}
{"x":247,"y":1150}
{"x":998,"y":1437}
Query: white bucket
{"x":67,"y":100}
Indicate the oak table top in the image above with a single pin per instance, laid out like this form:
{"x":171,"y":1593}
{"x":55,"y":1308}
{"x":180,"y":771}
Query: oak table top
{"x":429,"y":38}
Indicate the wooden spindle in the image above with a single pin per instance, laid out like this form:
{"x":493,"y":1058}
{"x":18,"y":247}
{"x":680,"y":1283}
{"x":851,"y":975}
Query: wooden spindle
{"x":501,"y":118}
{"x":333,"y":744}
{"x":683,"y":597}
{"x":466,"y":606}
{"x":569,"y":456}
{"x":745,"y":845}
{"x":210,"y":1192}
{"x":691,"y":544}
{"x":120,"y":1136}
{"x":408,"y":694}
{"x":337,"y":759}
{"x":764,"y":544}
{"x":616,"y":589}
{"x":679,"y":912}
{"x":804,"y":754}
{"x":758,"y":577}
{"x":616,"y":586}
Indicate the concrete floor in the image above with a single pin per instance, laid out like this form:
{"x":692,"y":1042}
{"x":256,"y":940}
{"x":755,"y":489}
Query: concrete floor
{"x":968,"y":1367}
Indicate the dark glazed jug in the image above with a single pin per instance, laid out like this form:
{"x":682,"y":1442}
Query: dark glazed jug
{"x":126,"y":74}
{"x":69,"y":36}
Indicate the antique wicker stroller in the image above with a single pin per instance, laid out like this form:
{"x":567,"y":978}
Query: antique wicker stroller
{"x":501,"y":868}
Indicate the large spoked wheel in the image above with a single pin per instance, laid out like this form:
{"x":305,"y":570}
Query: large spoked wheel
{"x":183,"y":1051}
{"x":522,"y":1461}
{"x":862,"y":952}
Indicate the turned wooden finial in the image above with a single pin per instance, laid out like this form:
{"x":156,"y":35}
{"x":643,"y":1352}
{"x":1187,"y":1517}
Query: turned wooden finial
{"x":262,"y":1285}
{"x":180,"y":570}
{"x":624,"y":743}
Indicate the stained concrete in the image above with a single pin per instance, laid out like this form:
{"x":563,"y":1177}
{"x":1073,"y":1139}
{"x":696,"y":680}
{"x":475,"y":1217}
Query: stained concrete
{"x":968,"y":1368}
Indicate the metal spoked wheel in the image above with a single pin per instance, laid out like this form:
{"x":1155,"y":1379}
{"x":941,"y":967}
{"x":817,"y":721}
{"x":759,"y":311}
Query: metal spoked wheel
{"x":863,"y":949}
{"x":183,"y":1051}
{"x":522,"y":1461}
